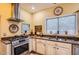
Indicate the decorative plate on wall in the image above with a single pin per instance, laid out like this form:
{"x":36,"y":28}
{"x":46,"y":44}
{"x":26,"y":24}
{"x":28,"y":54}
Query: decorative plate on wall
{"x":58,"y":10}
{"x":13,"y":28}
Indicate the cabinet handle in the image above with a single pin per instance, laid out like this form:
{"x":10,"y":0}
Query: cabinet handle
{"x":56,"y":44}
{"x":54,"y":47}
{"x":57,"y":48}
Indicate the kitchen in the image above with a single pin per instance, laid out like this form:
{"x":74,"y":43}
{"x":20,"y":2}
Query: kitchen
{"x":39,"y":29}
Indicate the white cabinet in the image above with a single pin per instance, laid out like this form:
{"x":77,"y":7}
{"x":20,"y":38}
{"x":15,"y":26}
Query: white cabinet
{"x":5,"y":49}
{"x":41,"y":46}
{"x":57,"y":48}
{"x":63,"y":48}
{"x":30,"y":45}
{"x":34,"y":44}
{"x":50,"y":48}
{"x":62,"y":51}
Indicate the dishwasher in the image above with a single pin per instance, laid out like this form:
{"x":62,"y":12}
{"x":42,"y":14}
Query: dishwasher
{"x":75,"y":49}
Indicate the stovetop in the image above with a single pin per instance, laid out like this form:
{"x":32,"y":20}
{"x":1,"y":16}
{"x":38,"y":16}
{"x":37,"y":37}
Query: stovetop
{"x":17,"y":38}
{"x":9,"y":40}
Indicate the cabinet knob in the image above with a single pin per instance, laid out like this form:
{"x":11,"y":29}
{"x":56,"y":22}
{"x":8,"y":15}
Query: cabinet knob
{"x":54,"y":47}
{"x":56,"y":44}
{"x":57,"y":48}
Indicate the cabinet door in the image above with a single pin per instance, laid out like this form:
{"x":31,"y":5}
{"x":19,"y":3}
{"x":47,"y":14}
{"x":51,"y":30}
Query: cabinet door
{"x":41,"y":46}
{"x":62,"y":51}
{"x":50,"y":50}
{"x":2,"y":48}
{"x":30,"y":45}
{"x":5,"y":49}
{"x":34,"y":45}
{"x":64,"y":48}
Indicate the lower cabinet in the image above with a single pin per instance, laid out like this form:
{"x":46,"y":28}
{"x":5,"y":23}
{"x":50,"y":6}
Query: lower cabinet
{"x":33,"y":44}
{"x":5,"y":49}
{"x":63,"y":48}
{"x":62,"y":51}
{"x":30,"y":44}
{"x":41,"y":46}
{"x":51,"y":48}
{"x":55,"y":48}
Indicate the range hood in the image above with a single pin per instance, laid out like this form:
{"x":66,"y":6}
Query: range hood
{"x":15,"y":13}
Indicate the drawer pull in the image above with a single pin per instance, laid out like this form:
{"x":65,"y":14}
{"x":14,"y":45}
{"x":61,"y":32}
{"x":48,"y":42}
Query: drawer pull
{"x":57,"y":48}
{"x":54,"y":47}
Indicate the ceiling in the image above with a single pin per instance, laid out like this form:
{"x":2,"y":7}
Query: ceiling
{"x":37,"y":6}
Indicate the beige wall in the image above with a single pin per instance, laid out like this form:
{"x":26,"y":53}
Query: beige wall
{"x":40,"y":17}
{"x":5,"y":13}
{"x":27,"y":17}
{"x":35,"y":19}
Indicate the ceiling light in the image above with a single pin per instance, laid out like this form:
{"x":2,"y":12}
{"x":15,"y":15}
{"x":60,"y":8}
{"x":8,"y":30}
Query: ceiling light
{"x":33,"y":7}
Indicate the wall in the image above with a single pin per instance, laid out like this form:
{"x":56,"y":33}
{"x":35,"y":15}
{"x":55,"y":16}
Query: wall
{"x":40,"y":17}
{"x":35,"y":19}
{"x":27,"y":17}
{"x":5,"y":13}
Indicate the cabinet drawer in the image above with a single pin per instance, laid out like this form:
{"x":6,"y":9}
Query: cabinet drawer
{"x":41,"y":41}
{"x":51,"y":43}
{"x":65,"y":45}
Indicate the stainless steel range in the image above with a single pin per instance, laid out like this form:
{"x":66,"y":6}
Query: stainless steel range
{"x":19,"y":45}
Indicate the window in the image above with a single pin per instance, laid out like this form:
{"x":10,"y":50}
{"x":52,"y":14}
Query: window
{"x":25,"y":27}
{"x":67,"y":24}
{"x":51,"y":26}
{"x":61,"y":24}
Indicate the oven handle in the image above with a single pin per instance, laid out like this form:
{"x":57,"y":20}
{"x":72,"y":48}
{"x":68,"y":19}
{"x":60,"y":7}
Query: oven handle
{"x":19,"y":44}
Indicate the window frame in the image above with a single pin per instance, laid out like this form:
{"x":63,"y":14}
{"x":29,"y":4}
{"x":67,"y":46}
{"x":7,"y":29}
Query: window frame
{"x":24,"y":24}
{"x":57,"y":17}
{"x":50,"y":19}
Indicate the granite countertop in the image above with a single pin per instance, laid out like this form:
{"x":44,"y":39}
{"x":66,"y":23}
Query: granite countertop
{"x":6,"y":42}
{"x":61,"y":35}
{"x":65,"y":41}
{"x":62,"y":40}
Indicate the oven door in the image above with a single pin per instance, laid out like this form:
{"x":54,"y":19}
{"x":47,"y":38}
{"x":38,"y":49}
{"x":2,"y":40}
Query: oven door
{"x":20,"y":49}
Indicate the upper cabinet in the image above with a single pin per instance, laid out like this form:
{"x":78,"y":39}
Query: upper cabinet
{"x":62,"y":25}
